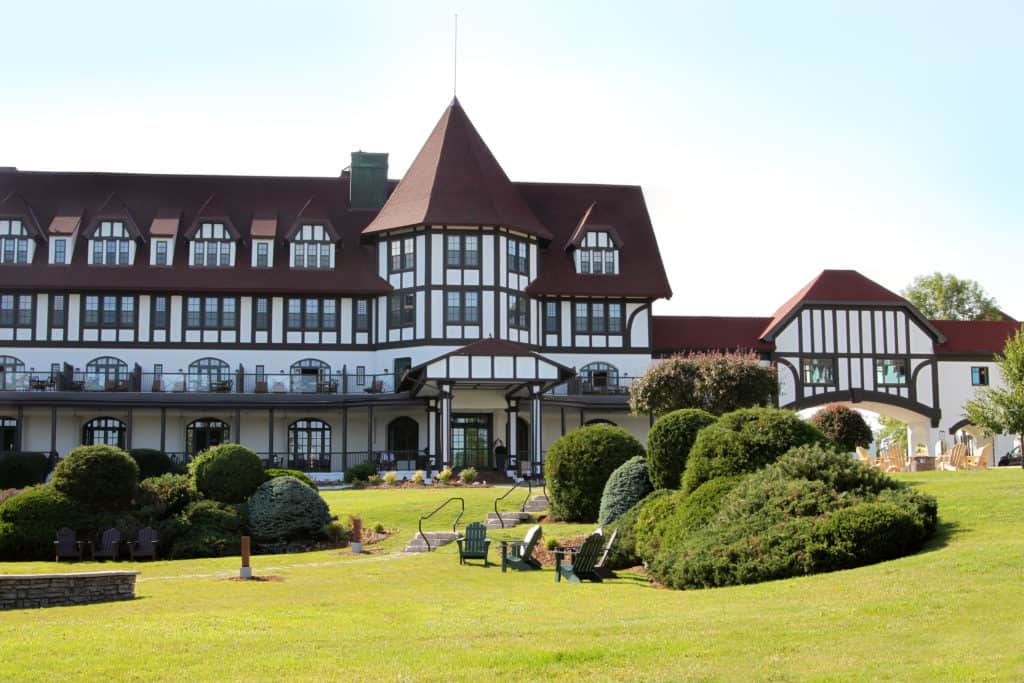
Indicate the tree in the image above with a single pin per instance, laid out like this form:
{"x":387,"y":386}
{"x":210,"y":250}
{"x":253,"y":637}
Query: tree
{"x":844,"y":426}
{"x":944,"y":296}
{"x":716,"y":382}
{"x":1000,"y":410}
{"x":893,"y":431}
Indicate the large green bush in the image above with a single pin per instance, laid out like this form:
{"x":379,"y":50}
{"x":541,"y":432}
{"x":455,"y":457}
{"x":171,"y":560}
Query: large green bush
{"x":165,"y":496}
{"x":579,"y":464}
{"x":863,"y":534}
{"x":624,"y":489}
{"x":275,"y":472}
{"x":207,"y":528}
{"x":151,"y":462}
{"x":228,"y":473}
{"x":761,"y":436}
{"x":18,"y":470}
{"x":360,"y":472}
{"x":623,"y":553}
{"x":285,"y":509}
{"x":669,"y":442}
{"x":715,"y":382}
{"x":652,"y":516}
{"x":102,"y":478}
{"x":29,"y":522}
{"x":845,"y":426}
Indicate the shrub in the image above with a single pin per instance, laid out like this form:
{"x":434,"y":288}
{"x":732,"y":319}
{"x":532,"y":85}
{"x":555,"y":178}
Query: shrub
{"x":624,"y":489}
{"x":30,"y":520}
{"x":669,"y":442}
{"x":18,"y":470}
{"x":419,"y":477}
{"x":102,"y":478}
{"x":7,"y":494}
{"x":391,"y":478}
{"x":165,"y":496}
{"x":336,"y":532}
{"x":623,"y":554}
{"x":468,"y":475}
{"x":361,"y":472}
{"x":700,"y":507}
{"x":839,"y":471}
{"x":374,"y":480}
{"x":445,"y":475}
{"x":228,"y":473}
{"x":285,"y":509}
{"x":579,"y":464}
{"x":152,"y":463}
{"x":761,"y":436}
{"x":275,"y":472}
{"x":716,"y":382}
{"x":653,"y":513}
{"x":845,"y":426}
{"x":208,"y":528}
{"x":863,"y":534}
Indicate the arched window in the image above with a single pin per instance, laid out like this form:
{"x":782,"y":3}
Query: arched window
{"x":209,"y":374}
{"x":403,"y":437}
{"x":106,"y":373}
{"x":309,"y":375}
{"x":103,"y":430}
{"x":309,"y":444}
{"x":8,"y":434}
{"x":12,"y":372}
{"x":599,"y":378}
{"x":205,"y":433}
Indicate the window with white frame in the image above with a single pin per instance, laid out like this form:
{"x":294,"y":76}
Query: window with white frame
{"x":58,"y":310}
{"x":60,"y":250}
{"x":462,"y":251}
{"x":262,"y":255}
{"x":15,"y":310}
{"x":551,"y":322}
{"x":13,"y":241}
{"x":518,"y":313}
{"x":361,"y":312}
{"x":518,"y":256}
{"x":261,"y":314}
{"x":403,"y":255}
{"x":597,"y":254}
{"x":161,"y":250}
{"x":111,"y":245}
{"x":463,"y":308}
{"x":312,"y":315}
{"x":598,"y":317}
{"x":312,"y":248}
{"x":211,"y":313}
{"x":213,"y":246}
{"x":108,"y":312}
{"x":402,"y":310}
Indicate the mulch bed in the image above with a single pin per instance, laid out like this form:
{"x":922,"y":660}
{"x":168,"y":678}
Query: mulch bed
{"x":268,"y":577}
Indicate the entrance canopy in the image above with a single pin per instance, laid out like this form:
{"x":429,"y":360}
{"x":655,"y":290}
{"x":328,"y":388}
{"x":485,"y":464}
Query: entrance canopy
{"x":488,"y":363}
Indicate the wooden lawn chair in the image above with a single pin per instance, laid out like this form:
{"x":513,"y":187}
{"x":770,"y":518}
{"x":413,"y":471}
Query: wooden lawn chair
{"x":896,"y":460}
{"x":957,"y":458}
{"x":110,"y":546}
{"x":865,"y":457}
{"x":519,"y":554}
{"x":979,"y":461}
{"x":603,"y":571}
{"x":583,"y":560}
{"x":67,"y":547}
{"x":474,"y":544}
{"x":145,"y":545}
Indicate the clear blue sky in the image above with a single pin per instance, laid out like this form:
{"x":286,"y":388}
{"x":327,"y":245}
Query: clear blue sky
{"x":772,"y":139}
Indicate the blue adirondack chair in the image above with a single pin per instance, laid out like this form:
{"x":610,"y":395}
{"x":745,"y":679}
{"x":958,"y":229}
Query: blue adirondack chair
{"x":581,"y":561}
{"x":474,"y":544}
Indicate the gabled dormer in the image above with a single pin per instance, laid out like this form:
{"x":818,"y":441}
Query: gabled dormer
{"x":63,"y":232}
{"x":312,"y":238}
{"x":113,"y":235}
{"x":163,"y":236}
{"x":213,"y":238}
{"x":19,"y":230}
{"x":594,"y":246}
{"x":263,"y":233}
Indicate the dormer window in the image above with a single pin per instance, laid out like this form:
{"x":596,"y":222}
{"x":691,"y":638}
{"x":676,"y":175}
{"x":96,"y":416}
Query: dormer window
{"x":13,"y":242}
{"x":213,"y":246}
{"x":312,"y":247}
{"x":111,"y":245}
{"x":597,"y":254}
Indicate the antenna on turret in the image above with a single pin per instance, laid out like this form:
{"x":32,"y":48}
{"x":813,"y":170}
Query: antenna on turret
{"x":455,"y":59}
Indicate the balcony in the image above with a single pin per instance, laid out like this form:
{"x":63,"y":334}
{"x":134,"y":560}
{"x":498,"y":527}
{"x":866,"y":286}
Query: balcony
{"x":596,"y":385}
{"x":385,"y":461}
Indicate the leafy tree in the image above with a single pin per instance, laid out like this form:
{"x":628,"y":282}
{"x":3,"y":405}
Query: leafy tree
{"x":1001,"y":409}
{"x":942,"y":296}
{"x":893,"y":431}
{"x":716,"y":382}
{"x":844,"y":426}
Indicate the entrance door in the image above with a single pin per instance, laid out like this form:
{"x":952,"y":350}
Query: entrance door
{"x":203,"y":434}
{"x":471,"y":441}
{"x":8,"y":434}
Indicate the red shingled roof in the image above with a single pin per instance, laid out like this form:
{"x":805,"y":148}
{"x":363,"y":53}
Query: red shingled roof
{"x":975,"y":336}
{"x":455,"y":180}
{"x":684,"y":333}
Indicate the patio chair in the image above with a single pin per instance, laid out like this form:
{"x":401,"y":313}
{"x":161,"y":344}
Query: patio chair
{"x":603,"y":571}
{"x":474,"y":544}
{"x":519,"y":554}
{"x":110,"y":546}
{"x":979,"y":461}
{"x":582,"y":560}
{"x":145,"y":545}
{"x":896,"y":460}
{"x":957,"y":459}
{"x":865,"y":457}
{"x":67,"y":547}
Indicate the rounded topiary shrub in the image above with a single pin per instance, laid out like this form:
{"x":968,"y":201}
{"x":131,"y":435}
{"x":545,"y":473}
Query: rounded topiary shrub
{"x":285,"y":509}
{"x":669,"y":442}
{"x":626,"y":486}
{"x":29,"y":522}
{"x":165,"y":496}
{"x":228,"y":473}
{"x":845,"y":426}
{"x":102,"y":478}
{"x":18,"y":470}
{"x":151,"y":462}
{"x":578,"y":465}
{"x":208,"y":528}
{"x":275,"y":472}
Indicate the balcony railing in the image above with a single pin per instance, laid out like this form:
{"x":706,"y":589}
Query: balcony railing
{"x":613,"y":385}
{"x":334,"y":462}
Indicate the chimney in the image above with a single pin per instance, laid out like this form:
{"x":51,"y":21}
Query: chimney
{"x":368,"y":183}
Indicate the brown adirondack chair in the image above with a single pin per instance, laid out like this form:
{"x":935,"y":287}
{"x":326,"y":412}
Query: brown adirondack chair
{"x":110,"y":546}
{"x":145,"y":545}
{"x":474,"y":544}
{"x":519,"y":554}
{"x":582,"y":560}
{"x":67,"y":547}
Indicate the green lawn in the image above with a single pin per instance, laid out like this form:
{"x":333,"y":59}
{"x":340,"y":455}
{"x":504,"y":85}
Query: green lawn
{"x":952,"y":612}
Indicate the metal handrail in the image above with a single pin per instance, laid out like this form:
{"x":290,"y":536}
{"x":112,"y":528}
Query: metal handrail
{"x":522,"y":508}
{"x":438,"y":509}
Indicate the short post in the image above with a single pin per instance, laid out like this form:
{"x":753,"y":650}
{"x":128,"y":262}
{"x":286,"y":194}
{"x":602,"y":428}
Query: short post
{"x":246,"y":571}
{"x":357,"y":535}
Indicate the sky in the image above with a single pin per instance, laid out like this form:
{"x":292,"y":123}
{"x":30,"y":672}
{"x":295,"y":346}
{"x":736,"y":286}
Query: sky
{"x":772,"y":140}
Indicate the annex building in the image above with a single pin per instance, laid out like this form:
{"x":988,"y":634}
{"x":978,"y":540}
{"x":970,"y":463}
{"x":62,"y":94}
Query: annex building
{"x":453,"y":317}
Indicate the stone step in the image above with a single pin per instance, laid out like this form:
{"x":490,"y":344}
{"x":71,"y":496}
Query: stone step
{"x":537,"y":504}
{"x":437,"y":539}
{"x":507,"y":516}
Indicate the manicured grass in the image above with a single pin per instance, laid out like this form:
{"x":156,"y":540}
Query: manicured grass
{"x":952,"y":612}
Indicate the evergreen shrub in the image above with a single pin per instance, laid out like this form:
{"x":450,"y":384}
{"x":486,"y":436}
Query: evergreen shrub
{"x":29,"y":522}
{"x":669,"y":442}
{"x":624,"y":489}
{"x":361,"y":472}
{"x":285,"y":509}
{"x":101,"y":478}
{"x":165,"y":496}
{"x":207,"y":528}
{"x":151,"y":462}
{"x":228,"y":473}
{"x":275,"y":472}
{"x":18,"y":470}
{"x":579,"y":464}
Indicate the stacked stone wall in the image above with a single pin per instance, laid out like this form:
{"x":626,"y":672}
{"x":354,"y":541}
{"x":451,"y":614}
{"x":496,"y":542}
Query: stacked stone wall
{"x":20,"y":591}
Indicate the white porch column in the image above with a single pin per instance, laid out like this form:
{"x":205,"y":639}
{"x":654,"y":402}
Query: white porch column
{"x":446,"y":425}
{"x":535,"y":429}
{"x":921,"y":433}
{"x":432,"y":436}
{"x":512,"y":413}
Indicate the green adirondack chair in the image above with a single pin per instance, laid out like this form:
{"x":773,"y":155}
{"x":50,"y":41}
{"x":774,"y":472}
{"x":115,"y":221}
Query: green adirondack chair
{"x":519,"y":554}
{"x":474,"y":544}
{"x":582,"y":560}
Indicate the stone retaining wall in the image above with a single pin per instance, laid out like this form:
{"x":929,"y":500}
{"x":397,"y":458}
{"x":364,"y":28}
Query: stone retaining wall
{"x":18,"y":591}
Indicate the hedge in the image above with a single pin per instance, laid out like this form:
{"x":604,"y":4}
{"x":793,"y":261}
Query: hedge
{"x":151,"y":462}
{"x":18,"y":470}
{"x":29,"y":522}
